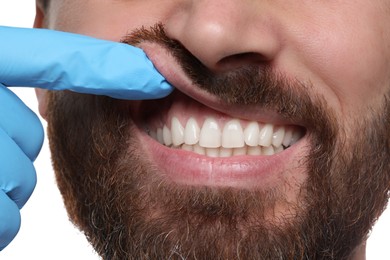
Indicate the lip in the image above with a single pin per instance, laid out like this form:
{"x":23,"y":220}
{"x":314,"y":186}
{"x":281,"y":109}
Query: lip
{"x":167,"y":65}
{"x":188,"y":168}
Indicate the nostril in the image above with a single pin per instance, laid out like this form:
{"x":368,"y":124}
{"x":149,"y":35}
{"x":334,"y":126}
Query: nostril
{"x":240,"y":60}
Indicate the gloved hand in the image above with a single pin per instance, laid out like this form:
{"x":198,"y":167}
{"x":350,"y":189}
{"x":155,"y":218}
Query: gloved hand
{"x":56,"y":61}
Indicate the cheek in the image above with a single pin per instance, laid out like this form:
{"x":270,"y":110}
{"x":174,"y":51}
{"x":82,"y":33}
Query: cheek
{"x":350,"y":57}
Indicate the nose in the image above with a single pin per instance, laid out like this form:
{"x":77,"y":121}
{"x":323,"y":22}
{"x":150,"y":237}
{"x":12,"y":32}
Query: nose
{"x":225,"y":34}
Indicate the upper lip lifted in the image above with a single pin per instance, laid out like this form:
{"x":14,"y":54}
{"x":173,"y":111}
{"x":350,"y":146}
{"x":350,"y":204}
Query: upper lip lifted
{"x":167,"y":65}
{"x":194,"y":169}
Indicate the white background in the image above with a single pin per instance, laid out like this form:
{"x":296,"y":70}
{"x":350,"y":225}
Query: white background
{"x":46,"y":233}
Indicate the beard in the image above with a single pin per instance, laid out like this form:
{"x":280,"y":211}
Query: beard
{"x":128,"y":210}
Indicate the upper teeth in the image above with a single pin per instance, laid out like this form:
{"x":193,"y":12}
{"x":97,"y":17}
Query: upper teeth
{"x":231,"y":139}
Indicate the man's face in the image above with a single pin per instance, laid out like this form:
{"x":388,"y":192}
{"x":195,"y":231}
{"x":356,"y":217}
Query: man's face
{"x":274,"y":145}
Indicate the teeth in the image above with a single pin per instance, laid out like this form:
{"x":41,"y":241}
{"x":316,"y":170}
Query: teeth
{"x":177,"y":132}
{"x":265,"y":135}
{"x":210,"y":134}
{"x":191,"y":132}
{"x":277,"y":137}
{"x":199,"y":149}
{"x":233,"y":140}
{"x":251,"y":134}
{"x":212,"y":152}
{"x":268,"y":150}
{"x":167,"y":136}
{"x":254,"y":150}
{"x":225,"y":152}
{"x":232,"y":135}
{"x":239,"y":151}
{"x":160,"y":136}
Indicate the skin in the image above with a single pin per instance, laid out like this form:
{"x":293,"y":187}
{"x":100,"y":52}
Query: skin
{"x":341,"y":48}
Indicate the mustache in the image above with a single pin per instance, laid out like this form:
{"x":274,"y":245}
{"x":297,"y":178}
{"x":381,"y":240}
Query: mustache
{"x":255,"y":86}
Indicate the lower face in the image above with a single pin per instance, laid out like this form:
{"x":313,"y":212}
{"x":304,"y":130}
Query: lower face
{"x":183,"y":178}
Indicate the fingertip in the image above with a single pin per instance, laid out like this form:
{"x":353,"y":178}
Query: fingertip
{"x":10,"y":220}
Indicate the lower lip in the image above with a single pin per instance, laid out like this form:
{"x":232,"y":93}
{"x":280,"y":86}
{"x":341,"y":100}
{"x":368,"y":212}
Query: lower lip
{"x":188,"y":168}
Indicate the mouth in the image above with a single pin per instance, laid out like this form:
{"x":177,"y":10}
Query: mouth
{"x":194,"y":138}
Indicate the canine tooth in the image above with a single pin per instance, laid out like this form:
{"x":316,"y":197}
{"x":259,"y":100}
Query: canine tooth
{"x":287,"y":137}
{"x":265,"y":136}
{"x":212,"y":152}
{"x":177,"y":131}
{"x":160,"y":137}
{"x":167,"y":136}
{"x":277,"y":137}
{"x":251,"y":134}
{"x":187,"y":147}
{"x":254,"y":150}
{"x":210,"y":134}
{"x":191,"y":132}
{"x":225,"y":152}
{"x":268,"y":150}
{"x":239,"y":151}
{"x":232,"y":135}
{"x":199,"y":149}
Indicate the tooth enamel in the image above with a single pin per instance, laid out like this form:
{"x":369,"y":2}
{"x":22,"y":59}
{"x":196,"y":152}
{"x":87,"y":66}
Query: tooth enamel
{"x":287,"y":137}
{"x":199,"y":149}
{"x":277,"y":137}
{"x":225,"y":152}
{"x":251,"y":134}
{"x":160,"y":136}
{"x":268,"y":150}
{"x":239,"y":151}
{"x":177,"y":131}
{"x":191,"y":132}
{"x":167,"y":136}
{"x":232,"y":135}
{"x":212,"y":152}
{"x":257,"y":139}
{"x":265,"y":135}
{"x":254,"y":150}
{"x":279,"y":149}
{"x":187,"y":147}
{"x":210,"y":134}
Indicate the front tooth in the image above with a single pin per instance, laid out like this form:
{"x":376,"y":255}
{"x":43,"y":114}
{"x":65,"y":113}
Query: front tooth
{"x":232,"y":135}
{"x":239,"y":151}
{"x":254,"y":150}
{"x":225,"y":152}
{"x":251,"y":134}
{"x":277,"y":137}
{"x":265,"y":136}
{"x":167,"y":136}
{"x":177,"y":131}
{"x":191,"y":132}
{"x":210,"y":134}
{"x":199,"y":149}
{"x":212,"y":152}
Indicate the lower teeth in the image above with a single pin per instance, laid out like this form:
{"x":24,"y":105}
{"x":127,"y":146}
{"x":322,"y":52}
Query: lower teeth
{"x":229,"y":152}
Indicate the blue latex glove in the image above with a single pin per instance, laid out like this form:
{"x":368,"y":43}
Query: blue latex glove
{"x":56,"y":61}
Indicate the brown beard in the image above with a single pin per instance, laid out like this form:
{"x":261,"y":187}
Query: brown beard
{"x":129,"y":211}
